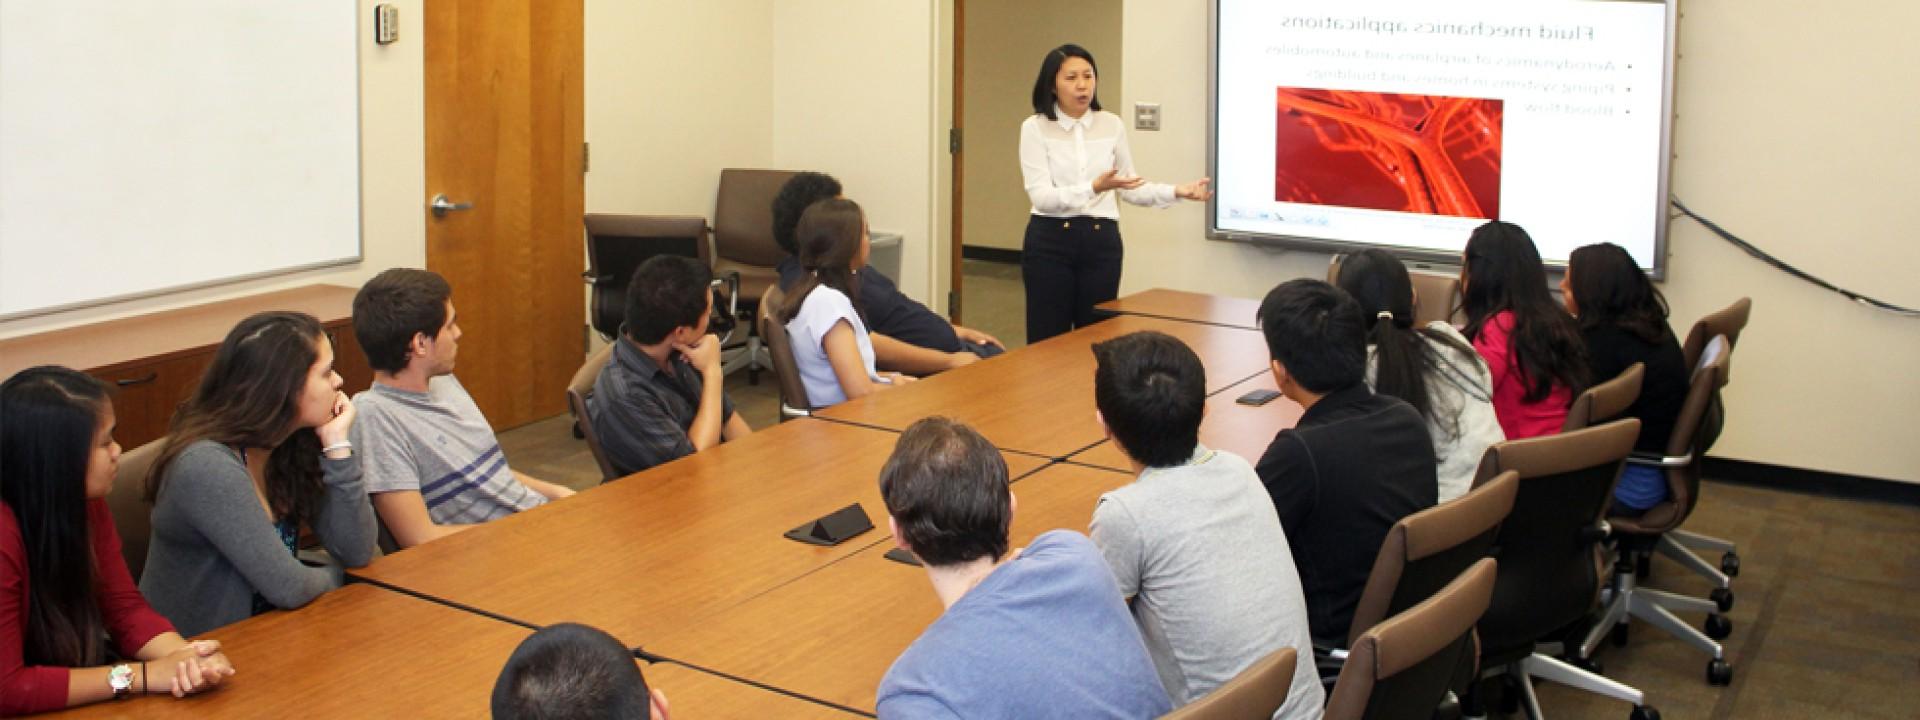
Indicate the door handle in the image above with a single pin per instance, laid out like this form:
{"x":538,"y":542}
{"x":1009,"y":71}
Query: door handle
{"x":441,"y":205}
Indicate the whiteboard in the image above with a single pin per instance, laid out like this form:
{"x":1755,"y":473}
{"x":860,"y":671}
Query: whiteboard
{"x":151,"y":145}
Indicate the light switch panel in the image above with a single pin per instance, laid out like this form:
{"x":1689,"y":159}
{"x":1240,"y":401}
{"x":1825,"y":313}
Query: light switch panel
{"x":1146,"y":116}
{"x":386,"y":23}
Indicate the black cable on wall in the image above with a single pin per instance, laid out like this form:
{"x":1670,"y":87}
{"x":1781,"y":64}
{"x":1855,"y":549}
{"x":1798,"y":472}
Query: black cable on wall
{"x":1783,"y":266}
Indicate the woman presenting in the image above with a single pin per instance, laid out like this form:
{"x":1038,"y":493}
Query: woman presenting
{"x":1074,"y":159}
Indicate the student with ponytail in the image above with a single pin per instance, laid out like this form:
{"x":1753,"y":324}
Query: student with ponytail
{"x":64,"y":587}
{"x":1433,"y":368}
{"x":826,"y":328}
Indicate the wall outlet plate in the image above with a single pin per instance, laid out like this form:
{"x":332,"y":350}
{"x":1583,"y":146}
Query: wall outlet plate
{"x":1146,"y":116}
{"x":386,"y":23}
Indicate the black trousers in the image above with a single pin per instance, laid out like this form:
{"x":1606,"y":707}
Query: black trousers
{"x":1068,"y":265}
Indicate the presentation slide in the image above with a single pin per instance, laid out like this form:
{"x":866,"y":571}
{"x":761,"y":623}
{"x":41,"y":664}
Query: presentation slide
{"x":1407,"y":124}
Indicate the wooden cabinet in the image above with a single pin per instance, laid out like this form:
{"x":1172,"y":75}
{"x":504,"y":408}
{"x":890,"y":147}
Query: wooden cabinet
{"x":154,"y":362}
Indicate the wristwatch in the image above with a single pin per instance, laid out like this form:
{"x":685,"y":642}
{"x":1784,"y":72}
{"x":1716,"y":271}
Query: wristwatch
{"x":120,"y":678}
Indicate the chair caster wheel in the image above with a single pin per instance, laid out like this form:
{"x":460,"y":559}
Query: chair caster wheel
{"x":1643,"y":567}
{"x":1722,"y":597}
{"x":1591,"y":664}
{"x":1719,"y":673}
{"x":1645,"y":712}
{"x":577,"y":434}
{"x":1619,"y":635}
{"x":1730,"y":564}
{"x":1719,"y":627}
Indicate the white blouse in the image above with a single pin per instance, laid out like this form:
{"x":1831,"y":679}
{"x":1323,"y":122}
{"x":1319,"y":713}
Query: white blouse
{"x":824,"y":308}
{"x":1059,"y":160}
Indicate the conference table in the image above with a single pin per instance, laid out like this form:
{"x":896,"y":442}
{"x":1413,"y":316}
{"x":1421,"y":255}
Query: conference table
{"x":688,"y":563}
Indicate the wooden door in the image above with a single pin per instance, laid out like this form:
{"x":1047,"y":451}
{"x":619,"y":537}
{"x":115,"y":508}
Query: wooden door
{"x":505,"y":127}
{"x":957,"y":146}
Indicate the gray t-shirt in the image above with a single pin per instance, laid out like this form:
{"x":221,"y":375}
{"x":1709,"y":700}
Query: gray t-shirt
{"x":1214,"y":589}
{"x":439,"y":445}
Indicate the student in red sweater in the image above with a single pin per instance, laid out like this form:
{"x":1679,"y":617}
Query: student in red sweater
{"x":1532,"y":346}
{"x":64,"y":586}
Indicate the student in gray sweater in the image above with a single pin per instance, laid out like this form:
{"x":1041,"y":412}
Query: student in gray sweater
{"x":258,"y":451}
{"x":1194,"y":540}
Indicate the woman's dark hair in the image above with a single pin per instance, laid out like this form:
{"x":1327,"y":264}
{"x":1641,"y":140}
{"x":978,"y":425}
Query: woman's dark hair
{"x":1043,"y":97}
{"x":250,"y":398}
{"x":1610,"y":289}
{"x":1504,"y":273}
{"x":1403,"y":357}
{"x":946,"y":488}
{"x":48,"y":416}
{"x":828,"y":236}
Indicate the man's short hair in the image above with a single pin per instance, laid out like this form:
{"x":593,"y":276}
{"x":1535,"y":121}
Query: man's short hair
{"x":1318,"y":332}
{"x":571,"y":672}
{"x":800,"y":192}
{"x":1152,"y":391}
{"x":666,"y":292}
{"x":394,"y":306}
{"x":946,"y":488}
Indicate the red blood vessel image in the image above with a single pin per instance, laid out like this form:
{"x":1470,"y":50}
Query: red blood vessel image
{"x":1428,"y":154}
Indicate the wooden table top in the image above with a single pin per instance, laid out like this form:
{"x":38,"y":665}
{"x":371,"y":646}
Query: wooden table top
{"x":695,"y":694}
{"x":359,"y":651}
{"x":163,"y":334}
{"x":1239,"y":429}
{"x":1039,"y":399}
{"x":832,"y":634}
{"x":653,"y":552}
{"x":1188,"y":306}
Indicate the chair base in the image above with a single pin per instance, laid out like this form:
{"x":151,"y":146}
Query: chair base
{"x":1522,"y":672}
{"x":1626,"y":601}
{"x":752,"y":356}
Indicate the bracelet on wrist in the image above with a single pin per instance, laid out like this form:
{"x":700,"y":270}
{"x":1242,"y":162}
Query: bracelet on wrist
{"x":342,"y":445}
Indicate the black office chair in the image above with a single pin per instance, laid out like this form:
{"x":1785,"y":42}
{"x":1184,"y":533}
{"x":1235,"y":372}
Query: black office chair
{"x":618,"y":244}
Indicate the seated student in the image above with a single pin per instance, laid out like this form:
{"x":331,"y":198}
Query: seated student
{"x":1533,"y":349}
{"x":1192,"y":539}
{"x":1355,"y":464}
{"x":431,"y":461}
{"x":907,"y":336}
{"x":827,"y":330}
{"x":574,"y":671}
{"x":64,"y":587}
{"x":1623,"y":318}
{"x":1033,"y":632}
{"x":661,"y":396}
{"x":1433,"y":368}
{"x":259,"y":451}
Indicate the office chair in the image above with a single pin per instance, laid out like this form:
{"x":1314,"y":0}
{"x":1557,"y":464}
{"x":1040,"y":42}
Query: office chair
{"x":1402,"y":668}
{"x":743,"y":243}
{"x":617,"y":244}
{"x":579,"y":392}
{"x":793,"y":392}
{"x":1606,"y":400}
{"x":1549,"y":550}
{"x":132,"y":516}
{"x":1254,"y":694}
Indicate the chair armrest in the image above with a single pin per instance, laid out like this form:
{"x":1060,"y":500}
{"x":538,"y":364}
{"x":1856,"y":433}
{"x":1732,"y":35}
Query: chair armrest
{"x":1660,"y":460}
{"x":1596,"y":532}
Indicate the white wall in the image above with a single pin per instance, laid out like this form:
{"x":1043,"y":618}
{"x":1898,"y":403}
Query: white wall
{"x":393,"y":172}
{"x":1798,"y":147}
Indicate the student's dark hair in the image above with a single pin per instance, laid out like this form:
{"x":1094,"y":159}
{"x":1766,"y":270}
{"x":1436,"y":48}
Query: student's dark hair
{"x":1152,"y":391}
{"x":1402,"y":354}
{"x":48,"y":416}
{"x":1043,"y":97}
{"x":1610,"y":289}
{"x":666,"y":292}
{"x":800,"y":192}
{"x":1504,"y":273}
{"x":394,"y":306}
{"x":829,"y":236}
{"x":570,"y":672}
{"x":250,"y":398}
{"x":946,"y":488}
{"x":1315,"y":330}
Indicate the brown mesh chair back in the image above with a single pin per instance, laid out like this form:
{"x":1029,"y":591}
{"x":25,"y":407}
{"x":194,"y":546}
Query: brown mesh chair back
{"x":743,"y":227}
{"x":617,"y":244}
{"x":1684,"y":449}
{"x":1255,"y":694}
{"x":1606,"y":400}
{"x":132,"y":516}
{"x":1333,"y":268}
{"x":579,"y":392}
{"x":1404,"y":667}
{"x":1436,"y":297}
{"x":1727,"y":322}
{"x":793,"y":392}
{"x":1428,"y":549}
{"x":1548,"y":547}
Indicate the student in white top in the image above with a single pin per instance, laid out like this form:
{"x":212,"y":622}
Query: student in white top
{"x":1434,"y":368}
{"x":1074,"y":159}
{"x":825,"y":328}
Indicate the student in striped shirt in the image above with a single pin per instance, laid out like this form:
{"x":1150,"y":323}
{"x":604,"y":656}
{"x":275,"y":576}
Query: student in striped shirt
{"x":430,"y":460}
